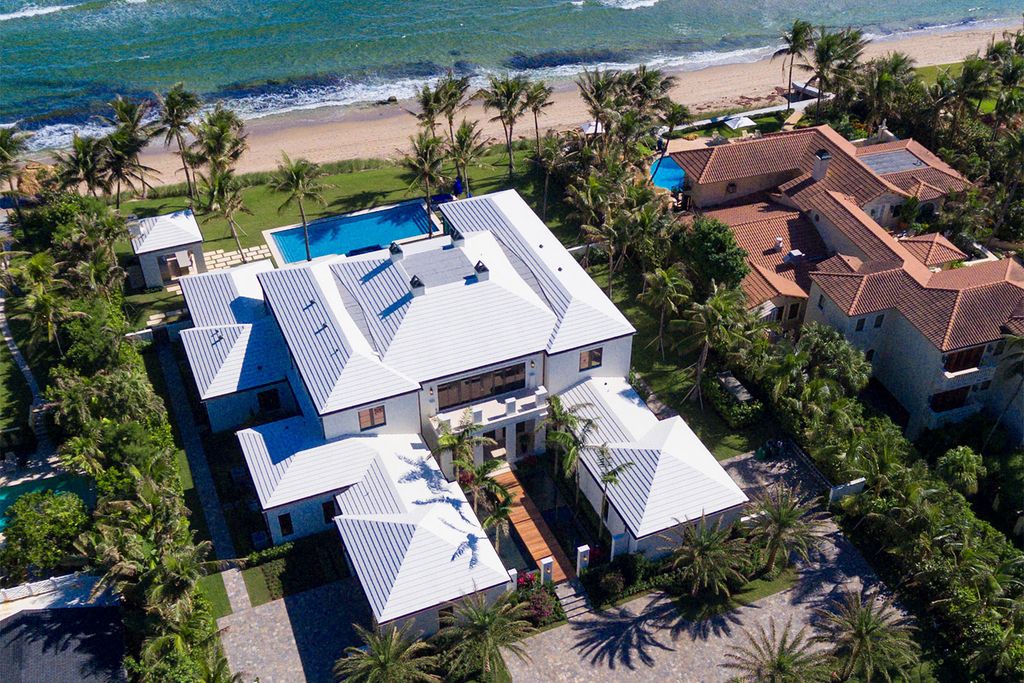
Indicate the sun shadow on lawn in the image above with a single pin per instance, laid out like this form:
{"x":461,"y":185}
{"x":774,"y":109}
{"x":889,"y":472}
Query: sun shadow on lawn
{"x":621,"y":637}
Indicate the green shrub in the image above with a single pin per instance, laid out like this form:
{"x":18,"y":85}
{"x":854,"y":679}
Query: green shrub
{"x":736,"y":414}
{"x":40,"y":534}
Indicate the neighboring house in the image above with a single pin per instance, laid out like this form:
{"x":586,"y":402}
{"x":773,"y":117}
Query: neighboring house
{"x":167,"y":247}
{"x":934,"y":333}
{"x":375,"y":355}
{"x":53,"y":631}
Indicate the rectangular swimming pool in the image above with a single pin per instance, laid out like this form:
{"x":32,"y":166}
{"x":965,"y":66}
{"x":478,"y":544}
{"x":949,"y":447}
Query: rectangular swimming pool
{"x":354,"y":232}
{"x":59,"y":483}
{"x":666,"y":173}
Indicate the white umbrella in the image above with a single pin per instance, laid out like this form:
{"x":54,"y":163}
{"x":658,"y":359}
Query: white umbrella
{"x":592,"y":128}
{"x":740,"y":122}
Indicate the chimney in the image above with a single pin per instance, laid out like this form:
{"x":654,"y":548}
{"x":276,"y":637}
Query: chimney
{"x":821,"y":160}
{"x":778,"y":244}
{"x":417,"y":286}
{"x":793,"y":257}
{"x":482,"y":272}
{"x":457,"y":237}
{"x":396,"y":252}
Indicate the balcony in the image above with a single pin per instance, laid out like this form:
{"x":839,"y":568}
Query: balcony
{"x":936,"y":420}
{"x":498,"y":411}
{"x":965,"y":378}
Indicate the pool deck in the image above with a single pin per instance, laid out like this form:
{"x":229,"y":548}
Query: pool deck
{"x":533,"y":530}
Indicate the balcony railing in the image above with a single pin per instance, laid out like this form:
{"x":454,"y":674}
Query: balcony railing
{"x":937,"y":419}
{"x":965,"y":378}
{"x":523,"y":403}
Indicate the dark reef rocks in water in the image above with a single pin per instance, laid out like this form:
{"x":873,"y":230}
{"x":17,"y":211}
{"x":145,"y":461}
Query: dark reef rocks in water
{"x":543,"y":60}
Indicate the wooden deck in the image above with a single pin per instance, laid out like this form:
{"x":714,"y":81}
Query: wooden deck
{"x":533,"y":530}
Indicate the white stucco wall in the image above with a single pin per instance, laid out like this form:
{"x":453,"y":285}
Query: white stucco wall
{"x":234,"y":410}
{"x":150,"y":262}
{"x":427,"y":622}
{"x":562,"y":370}
{"x":307,"y":517}
{"x":401,"y":412}
{"x":428,"y":395}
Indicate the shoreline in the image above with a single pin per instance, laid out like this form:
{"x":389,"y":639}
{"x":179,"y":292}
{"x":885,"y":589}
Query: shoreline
{"x":335,"y":133}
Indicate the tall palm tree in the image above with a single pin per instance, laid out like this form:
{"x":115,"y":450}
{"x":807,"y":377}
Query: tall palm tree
{"x":132,"y":132}
{"x":428,"y":100}
{"x":460,"y":442}
{"x":123,"y":168}
{"x":506,"y":95}
{"x":773,"y":657}
{"x":83,"y":164}
{"x":709,"y":558}
{"x":499,"y":518}
{"x":220,"y":139}
{"x":666,"y":290}
{"x":797,"y":41}
{"x":478,"y":633}
{"x":388,"y":657}
{"x":561,"y":418}
{"x":882,"y":84}
{"x":467,"y":149}
{"x":177,"y":108}
{"x":424,"y":166}
{"x":961,"y":467}
{"x":536,"y":99}
{"x":833,"y":60}
{"x":554,"y":156}
{"x":598,"y":90}
{"x":868,"y":636}
{"x":480,"y":483}
{"x":224,"y":198}
{"x":785,"y":524}
{"x":673,"y":115}
{"x":571,"y":444}
{"x":45,"y":312}
{"x":300,"y":180}
{"x":450,"y":99}
{"x":712,"y":324}
{"x":609,"y":473}
{"x":13,"y":144}
{"x":612,"y":230}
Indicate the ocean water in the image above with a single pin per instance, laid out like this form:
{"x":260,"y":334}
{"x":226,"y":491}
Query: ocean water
{"x":61,"y":60}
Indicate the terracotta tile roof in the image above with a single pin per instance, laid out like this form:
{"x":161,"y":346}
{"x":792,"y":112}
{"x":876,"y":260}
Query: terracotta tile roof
{"x":756,"y":227}
{"x":932,"y":249}
{"x":936,"y":179}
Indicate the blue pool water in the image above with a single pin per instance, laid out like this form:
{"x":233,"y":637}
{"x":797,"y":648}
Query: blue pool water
{"x":354,"y":232}
{"x":667,"y":173}
{"x":59,"y":483}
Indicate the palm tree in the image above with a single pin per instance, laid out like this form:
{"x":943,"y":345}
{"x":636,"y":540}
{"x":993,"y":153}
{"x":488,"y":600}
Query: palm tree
{"x":773,"y":657}
{"x":13,"y":144}
{"x":214,"y":668}
{"x":424,"y":167}
{"x":882,"y":84}
{"x":554,"y":155}
{"x":712,"y":324}
{"x":673,"y":115}
{"x":598,"y":90}
{"x":666,"y":290}
{"x":561,"y":418}
{"x":83,"y":164}
{"x":499,"y":518}
{"x":429,"y":101}
{"x":571,"y":444}
{"x":224,"y":198}
{"x":612,"y":231}
{"x":785,"y":525}
{"x":131,"y":135}
{"x":460,"y":442}
{"x":797,"y":41}
{"x":220,"y":140}
{"x":536,"y":99}
{"x":709,"y":558}
{"x":506,"y":95}
{"x":177,"y":108}
{"x":45,"y":312}
{"x":450,"y":99}
{"x":610,"y":473}
{"x":479,"y":481}
{"x":388,"y":657}
{"x":467,"y":149}
{"x":868,"y":637}
{"x":299,"y":179}
{"x":479,"y":632}
{"x":833,"y":60}
{"x":961,"y":467}
{"x":123,"y":167}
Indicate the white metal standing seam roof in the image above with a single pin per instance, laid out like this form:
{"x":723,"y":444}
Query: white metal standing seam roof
{"x":289,"y":459}
{"x":585,"y":314}
{"x":460,"y":322}
{"x":230,"y":358}
{"x":171,"y":230}
{"x":227,"y":296}
{"x":413,"y":538}
{"x":337,"y":365}
{"x":673,"y":479}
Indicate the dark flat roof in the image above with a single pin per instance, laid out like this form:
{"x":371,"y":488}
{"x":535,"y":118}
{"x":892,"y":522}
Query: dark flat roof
{"x":70,"y":645}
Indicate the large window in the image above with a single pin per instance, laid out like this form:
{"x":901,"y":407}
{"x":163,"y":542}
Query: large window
{"x":469,"y":389}
{"x":963,"y":360}
{"x":948,"y":400}
{"x":372,"y":417}
{"x":591,"y":359}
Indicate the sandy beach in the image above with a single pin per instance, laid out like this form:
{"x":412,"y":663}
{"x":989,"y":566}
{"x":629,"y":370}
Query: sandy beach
{"x":336,"y":133}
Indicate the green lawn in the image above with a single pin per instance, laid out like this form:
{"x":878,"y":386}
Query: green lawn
{"x":306,"y":563}
{"x":15,"y":397}
{"x":692,"y":609}
{"x":138,"y":307}
{"x":930,"y":74}
{"x":212,"y":586}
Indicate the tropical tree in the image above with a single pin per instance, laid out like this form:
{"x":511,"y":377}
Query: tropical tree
{"x":300,"y":180}
{"x":132,"y":132}
{"x":428,"y":101}
{"x":833,"y":60}
{"x":712,"y":253}
{"x":785,"y":525}
{"x":45,"y":311}
{"x":797,"y":42}
{"x":499,"y":518}
{"x":536,"y":99}
{"x":554,"y":156}
{"x":506,"y":96}
{"x":598,"y":89}
{"x":883,"y":82}
{"x":40,"y":533}
{"x":673,"y":115}
{"x":610,"y":473}
{"x":83,"y":164}
{"x":467,"y":149}
{"x":460,"y":442}
{"x":478,"y":633}
{"x":561,"y":419}
{"x":424,"y":166}
{"x":13,"y":144}
{"x":666,"y":290}
{"x":220,"y":140}
{"x":478,"y":480}
{"x":177,"y":108}
{"x":571,"y":444}
{"x":450,"y":99}
{"x":388,"y":657}
{"x":773,"y":657}
{"x":962,"y":468}
{"x":868,"y":637}
{"x":709,"y":558}
{"x":223,"y":197}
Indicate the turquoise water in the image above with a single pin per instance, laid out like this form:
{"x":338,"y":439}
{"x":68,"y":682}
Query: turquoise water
{"x":666,"y":173}
{"x":61,"y":60}
{"x":354,"y":232}
{"x":60,"y":483}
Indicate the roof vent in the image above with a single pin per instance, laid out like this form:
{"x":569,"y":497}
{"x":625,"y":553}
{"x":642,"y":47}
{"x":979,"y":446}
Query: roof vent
{"x":458,"y":239}
{"x":821,"y":161}
{"x":482,"y":272}
{"x":396,"y":252}
{"x":417,"y":286}
{"x":778,"y":244}
{"x":793,"y":257}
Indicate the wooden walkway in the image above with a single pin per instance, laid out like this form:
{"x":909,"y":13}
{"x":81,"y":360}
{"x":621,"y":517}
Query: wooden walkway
{"x":533,"y":530}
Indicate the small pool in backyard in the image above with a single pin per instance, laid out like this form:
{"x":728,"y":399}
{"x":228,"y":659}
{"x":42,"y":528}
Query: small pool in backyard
{"x":667,"y":174}
{"x":59,"y":483}
{"x":353,"y":232}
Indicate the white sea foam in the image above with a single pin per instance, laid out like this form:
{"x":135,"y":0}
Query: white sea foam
{"x":33,"y":11}
{"x":629,"y":4}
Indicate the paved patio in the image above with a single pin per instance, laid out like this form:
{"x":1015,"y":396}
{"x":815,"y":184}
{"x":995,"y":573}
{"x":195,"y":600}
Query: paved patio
{"x":297,"y":638}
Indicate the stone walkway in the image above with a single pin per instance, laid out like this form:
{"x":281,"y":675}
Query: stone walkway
{"x":238,"y":594}
{"x":297,"y":638}
{"x":202,"y":479}
{"x":218,"y":258}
